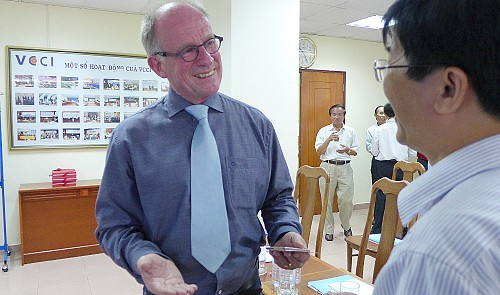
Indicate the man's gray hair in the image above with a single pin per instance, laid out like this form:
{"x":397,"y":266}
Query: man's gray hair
{"x":148,"y":37}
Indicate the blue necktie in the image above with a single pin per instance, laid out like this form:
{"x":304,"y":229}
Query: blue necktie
{"x":210,"y":243}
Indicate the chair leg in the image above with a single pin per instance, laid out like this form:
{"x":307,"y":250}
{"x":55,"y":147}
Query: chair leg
{"x":349,"y":258}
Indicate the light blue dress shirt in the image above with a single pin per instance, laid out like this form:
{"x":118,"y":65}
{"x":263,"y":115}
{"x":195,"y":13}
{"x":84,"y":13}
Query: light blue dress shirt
{"x":454,"y":247}
{"x":144,"y":206}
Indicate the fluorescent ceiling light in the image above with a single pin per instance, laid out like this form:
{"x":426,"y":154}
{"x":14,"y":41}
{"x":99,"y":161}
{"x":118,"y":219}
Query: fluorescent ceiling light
{"x":372,"y":22}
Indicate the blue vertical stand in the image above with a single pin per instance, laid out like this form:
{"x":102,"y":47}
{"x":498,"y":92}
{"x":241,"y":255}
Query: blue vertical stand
{"x":5,"y":246}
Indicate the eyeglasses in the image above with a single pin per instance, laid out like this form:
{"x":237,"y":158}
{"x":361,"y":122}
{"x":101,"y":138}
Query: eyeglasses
{"x":190,"y":53}
{"x":380,"y":66}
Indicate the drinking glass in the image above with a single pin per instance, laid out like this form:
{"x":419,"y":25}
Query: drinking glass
{"x":349,"y":287}
{"x":287,"y":282}
{"x":262,"y":262}
{"x":275,"y":275}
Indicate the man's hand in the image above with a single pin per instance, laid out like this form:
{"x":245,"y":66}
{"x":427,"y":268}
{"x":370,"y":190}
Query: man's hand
{"x":290,"y":260}
{"x":162,"y":277}
{"x":334,"y":136}
{"x":343,"y":149}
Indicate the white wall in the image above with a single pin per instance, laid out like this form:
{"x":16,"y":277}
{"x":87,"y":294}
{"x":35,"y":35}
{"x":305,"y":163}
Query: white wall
{"x":265,"y":66}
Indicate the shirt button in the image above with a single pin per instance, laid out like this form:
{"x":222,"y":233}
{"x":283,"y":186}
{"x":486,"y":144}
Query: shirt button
{"x":220,"y":292}
{"x":232,"y":164}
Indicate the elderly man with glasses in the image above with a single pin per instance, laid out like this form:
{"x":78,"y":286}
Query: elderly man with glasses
{"x":145,"y":209}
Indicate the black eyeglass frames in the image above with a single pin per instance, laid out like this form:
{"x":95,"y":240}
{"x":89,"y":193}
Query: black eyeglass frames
{"x":190,"y":53}
{"x":381,"y":66}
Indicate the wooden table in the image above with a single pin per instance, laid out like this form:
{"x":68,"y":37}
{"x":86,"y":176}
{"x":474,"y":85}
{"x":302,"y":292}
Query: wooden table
{"x":314,"y":269}
{"x":57,"y":222}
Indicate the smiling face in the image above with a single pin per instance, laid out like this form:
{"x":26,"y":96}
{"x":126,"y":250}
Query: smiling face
{"x":380,"y":116}
{"x":337,"y":117}
{"x":179,"y":27}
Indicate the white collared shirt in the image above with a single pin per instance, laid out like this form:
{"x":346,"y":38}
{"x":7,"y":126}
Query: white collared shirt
{"x":386,"y":147}
{"x":369,"y":137}
{"x":347,"y":137}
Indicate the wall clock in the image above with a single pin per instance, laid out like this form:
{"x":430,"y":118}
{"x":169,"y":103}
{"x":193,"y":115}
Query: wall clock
{"x":307,"y":52}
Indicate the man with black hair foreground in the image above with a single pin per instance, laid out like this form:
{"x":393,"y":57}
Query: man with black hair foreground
{"x":442,"y":79}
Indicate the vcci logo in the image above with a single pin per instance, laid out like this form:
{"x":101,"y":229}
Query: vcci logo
{"x":33,"y":60}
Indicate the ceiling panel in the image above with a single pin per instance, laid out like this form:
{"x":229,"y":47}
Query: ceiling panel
{"x":310,"y":9}
{"x":375,"y":6}
{"x":321,"y":17}
{"x":69,"y":3}
{"x":117,"y":5}
{"x":339,"y":16}
{"x":327,"y":2}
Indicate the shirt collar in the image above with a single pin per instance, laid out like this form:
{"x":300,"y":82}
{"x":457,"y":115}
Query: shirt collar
{"x":332,"y":128}
{"x":433,"y":185}
{"x":175,"y":103}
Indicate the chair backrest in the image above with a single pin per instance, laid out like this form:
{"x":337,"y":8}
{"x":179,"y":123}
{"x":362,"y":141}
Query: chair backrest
{"x":408,"y":169}
{"x":312,"y":175}
{"x":391,"y":189}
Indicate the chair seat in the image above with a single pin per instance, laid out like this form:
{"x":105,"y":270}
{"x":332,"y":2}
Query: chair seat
{"x":355,"y":241}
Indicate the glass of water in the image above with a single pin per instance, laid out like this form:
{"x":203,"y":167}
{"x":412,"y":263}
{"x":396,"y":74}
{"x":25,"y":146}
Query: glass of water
{"x":262,"y":261}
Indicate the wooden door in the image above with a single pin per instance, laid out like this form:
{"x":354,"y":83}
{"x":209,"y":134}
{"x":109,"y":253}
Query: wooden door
{"x":319,"y":90}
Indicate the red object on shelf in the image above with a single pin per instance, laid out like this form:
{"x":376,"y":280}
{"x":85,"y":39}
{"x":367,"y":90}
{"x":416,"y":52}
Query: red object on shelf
{"x":63,"y":177}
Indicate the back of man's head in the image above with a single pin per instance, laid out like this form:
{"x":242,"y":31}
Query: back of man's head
{"x":461,"y":33}
{"x":388,"y":110}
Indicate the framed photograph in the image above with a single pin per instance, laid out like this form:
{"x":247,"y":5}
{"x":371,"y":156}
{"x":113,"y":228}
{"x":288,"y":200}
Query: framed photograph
{"x":72,"y":99}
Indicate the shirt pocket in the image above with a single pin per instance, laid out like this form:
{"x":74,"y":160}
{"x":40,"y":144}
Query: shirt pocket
{"x":242,"y":174}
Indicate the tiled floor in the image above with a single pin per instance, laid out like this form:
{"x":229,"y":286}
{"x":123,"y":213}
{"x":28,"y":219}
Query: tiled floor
{"x":98,"y":275}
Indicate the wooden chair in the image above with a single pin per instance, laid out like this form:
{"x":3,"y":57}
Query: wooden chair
{"x":381,"y":251}
{"x":409,"y":169}
{"x":312,"y":175}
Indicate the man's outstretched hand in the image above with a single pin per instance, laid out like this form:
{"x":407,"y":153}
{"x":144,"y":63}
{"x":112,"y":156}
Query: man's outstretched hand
{"x":162,"y":277}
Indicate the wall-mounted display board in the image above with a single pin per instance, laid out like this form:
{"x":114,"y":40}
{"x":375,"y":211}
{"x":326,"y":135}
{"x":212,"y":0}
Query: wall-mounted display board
{"x":73,"y":99}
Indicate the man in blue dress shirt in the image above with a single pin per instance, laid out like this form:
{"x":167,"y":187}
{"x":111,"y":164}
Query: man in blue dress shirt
{"x":443,"y":81}
{"x":143,"y":206}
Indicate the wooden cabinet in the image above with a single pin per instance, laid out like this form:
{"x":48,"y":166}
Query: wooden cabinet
{"x":57,"y":222}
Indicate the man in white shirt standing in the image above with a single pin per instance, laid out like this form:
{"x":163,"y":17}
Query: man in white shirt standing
{"x":387,"y":151}
{"x":380,"y":117}
{"x":335,"y":144}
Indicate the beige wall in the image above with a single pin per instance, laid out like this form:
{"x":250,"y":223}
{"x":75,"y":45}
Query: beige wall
{"x":260,"y":68}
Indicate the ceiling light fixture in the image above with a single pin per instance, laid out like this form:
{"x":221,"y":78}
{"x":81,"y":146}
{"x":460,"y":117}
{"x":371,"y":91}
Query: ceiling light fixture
{"x":373,"y":22}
